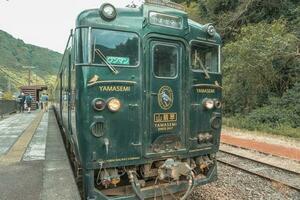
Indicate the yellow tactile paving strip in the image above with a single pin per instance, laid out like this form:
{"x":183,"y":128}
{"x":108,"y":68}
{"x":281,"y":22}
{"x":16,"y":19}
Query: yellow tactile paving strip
{"x":16,"y":152}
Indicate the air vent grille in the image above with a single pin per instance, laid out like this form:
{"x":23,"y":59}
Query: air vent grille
{"x":97,"y":129}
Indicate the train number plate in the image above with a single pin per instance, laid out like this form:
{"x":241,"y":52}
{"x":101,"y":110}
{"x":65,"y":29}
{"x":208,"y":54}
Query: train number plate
{"x":165,"y":117}
{"x":165,"y":121}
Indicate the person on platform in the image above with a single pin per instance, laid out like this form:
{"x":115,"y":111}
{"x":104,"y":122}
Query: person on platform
{"x":21,"y":100}
{"x":44,"y":100}
{"x":47,"y":100}
{"x":28,"y":100}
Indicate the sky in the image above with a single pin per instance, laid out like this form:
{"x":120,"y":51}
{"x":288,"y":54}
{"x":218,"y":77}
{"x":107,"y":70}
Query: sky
{"x":46,"y":23}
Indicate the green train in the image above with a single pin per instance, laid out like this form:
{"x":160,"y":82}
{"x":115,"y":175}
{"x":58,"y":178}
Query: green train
{"x":138,"y":96}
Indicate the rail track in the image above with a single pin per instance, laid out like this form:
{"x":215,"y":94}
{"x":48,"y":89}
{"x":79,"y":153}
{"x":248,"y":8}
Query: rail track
{"x":264,"y":170}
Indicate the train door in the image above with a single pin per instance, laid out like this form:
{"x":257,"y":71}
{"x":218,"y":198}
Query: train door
{"x":165,"y":99}
{"x":65,"y":93}
{"x":69,"y":93}
{"x":60,"y":95}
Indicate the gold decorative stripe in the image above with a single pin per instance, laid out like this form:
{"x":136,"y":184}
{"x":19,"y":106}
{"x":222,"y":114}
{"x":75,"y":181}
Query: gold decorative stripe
{"x":122,"y":159}
{"x":112,"y":81}
{"x":207,"y":86}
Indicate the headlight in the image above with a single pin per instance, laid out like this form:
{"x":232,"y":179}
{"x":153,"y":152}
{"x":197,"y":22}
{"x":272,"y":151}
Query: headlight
{"x":208,"y":103}
{"x":210,"y":29}
{"x":218,"y":104}
{"x":98,"y":104}
{"x":108,"y":11}
{"x":114,"y":104}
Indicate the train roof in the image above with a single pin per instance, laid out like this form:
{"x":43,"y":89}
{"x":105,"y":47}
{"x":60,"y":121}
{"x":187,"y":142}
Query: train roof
{"x":137,"y":20}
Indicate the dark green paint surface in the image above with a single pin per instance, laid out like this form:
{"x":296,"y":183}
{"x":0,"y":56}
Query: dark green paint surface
{"x":131,"y":132}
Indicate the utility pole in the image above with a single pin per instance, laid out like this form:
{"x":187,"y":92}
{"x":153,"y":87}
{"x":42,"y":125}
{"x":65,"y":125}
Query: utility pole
{"x":29,"y":72}
{"x":9,"y":86}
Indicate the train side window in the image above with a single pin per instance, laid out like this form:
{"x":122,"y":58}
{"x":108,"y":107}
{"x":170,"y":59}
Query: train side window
{"x":205,"y":56}
{"x":165,"y":60}
{"x":81,"y":45}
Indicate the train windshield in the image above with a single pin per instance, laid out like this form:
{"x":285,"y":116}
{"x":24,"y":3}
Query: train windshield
{"x":205,"y":57}
{"x":115,"y":48}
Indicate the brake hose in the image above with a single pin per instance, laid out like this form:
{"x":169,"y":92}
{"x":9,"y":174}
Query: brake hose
{"x":136,"y":190}
{"x":140,"y":196}
{"x":191,"y":184}
{"x":190,"y":187}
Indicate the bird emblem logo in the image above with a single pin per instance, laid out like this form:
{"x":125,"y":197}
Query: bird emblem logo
{"x":165,"y":97}
{"x":94,"y":79}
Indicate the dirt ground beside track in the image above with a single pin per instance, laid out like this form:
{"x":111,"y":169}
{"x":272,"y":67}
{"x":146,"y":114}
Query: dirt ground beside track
{"x":262,"y":137}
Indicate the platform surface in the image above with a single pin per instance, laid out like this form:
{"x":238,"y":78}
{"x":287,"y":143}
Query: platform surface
{"x":12,"y":127}
{"x":43,"y":170}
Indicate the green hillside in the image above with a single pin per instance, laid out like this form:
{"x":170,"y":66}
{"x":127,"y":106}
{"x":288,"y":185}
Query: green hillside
{"x":14,"y":54}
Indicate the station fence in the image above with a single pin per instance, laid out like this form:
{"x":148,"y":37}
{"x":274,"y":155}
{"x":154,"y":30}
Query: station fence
{"x":8,"y":107}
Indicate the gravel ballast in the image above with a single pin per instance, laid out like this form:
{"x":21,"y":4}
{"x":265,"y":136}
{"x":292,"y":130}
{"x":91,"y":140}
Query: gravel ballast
{"x":235,"y":184}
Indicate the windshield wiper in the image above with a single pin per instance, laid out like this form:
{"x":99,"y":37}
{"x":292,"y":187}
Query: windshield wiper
{"x":103,"y":58}
{"x":202,"y":66}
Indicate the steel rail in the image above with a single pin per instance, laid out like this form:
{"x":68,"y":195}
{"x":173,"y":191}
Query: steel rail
{"x":261,"y":162}
{"x":259,"y":174}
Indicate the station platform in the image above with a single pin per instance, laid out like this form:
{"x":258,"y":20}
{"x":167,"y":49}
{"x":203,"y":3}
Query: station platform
{"x":33,"y":161}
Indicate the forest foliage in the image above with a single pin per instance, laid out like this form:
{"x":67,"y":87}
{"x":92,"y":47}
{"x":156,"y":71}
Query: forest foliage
{"x":14,"y":54}
{"x":261,"y":61}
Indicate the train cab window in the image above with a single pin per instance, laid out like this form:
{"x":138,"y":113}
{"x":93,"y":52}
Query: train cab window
{"x":205,"y":57}
{"x":122,"y":48}
{"x":165,"y":60}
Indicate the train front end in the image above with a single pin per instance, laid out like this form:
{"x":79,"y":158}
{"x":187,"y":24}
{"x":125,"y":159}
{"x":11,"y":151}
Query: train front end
{"x":148,"y":101}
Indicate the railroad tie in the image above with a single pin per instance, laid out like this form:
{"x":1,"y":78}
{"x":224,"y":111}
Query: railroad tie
{"x":16,"y":152}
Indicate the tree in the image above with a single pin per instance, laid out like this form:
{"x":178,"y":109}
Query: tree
{"x":250,"y":71}
{"x":231,"y":15}
{"x":7,"y":96}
